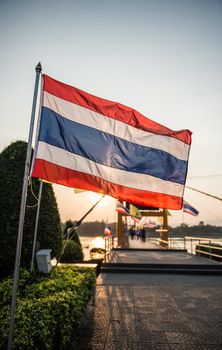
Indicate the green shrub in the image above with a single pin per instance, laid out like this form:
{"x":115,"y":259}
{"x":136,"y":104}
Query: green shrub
{"x":75,"y":237}
{"x":48,"y":308}
{"x":26,"y":279}
{"x":72,"y":253}
{"x":12,"y":164}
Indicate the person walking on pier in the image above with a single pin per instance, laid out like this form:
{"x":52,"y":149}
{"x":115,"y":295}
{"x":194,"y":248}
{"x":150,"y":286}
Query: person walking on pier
{"x":132,"y":232}
{"x":143,"y":234}
{"x":138,"y":234}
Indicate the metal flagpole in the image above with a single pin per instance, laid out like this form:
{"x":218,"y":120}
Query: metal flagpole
{"x":36,"y":224}
{"x":88,"y":212}
{"x":38,"y":70}
{"x":41,"y":182}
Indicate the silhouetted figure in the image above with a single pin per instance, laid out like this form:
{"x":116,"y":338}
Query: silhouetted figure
{"x":132,"y":232}
{"x":138,"y":235}
{"x":143,"y":234}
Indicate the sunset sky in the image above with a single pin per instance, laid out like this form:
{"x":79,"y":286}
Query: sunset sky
{"x":162,"y":58}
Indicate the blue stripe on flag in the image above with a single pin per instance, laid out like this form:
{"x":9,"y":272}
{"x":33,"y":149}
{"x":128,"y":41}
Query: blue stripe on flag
{"x":116,"y":152}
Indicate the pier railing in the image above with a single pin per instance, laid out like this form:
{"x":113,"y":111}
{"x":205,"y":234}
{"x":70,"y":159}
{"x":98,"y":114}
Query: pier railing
{"x":209,"y":253}
{"x":110,"y":243}
{"x":175,"y":244}
{"x":193,"y":245}
{"x":198,"y":245}
{"x":191,"y":242}
{"x":162,"y":243}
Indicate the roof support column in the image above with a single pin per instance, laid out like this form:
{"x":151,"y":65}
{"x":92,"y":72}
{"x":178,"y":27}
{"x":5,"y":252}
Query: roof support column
{"x":120,"y":231}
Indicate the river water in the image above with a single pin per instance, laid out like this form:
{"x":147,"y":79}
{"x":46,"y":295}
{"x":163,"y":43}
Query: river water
{"x":89,"y":243}
{"x":176,"y":243}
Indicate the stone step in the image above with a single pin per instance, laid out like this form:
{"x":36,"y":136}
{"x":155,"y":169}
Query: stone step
{"x":162,"y":268}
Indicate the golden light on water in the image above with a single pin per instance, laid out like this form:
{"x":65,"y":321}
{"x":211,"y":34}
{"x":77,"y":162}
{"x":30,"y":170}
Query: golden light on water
{"x":98,"y":242}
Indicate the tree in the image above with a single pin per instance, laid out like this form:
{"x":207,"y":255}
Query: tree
{"x":201,"y":223}
{"x":12,"y":162}
{"x":73,"y":234}
{"x":183,"y":225}
{"x":72,"y":253}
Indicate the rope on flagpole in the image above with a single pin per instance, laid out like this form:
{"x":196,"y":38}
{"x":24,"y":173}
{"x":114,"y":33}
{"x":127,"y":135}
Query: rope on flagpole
{"x":36,"y":225}
{"x":32,"y":192}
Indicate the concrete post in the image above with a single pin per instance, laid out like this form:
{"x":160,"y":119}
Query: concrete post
{"x":164,"y":233}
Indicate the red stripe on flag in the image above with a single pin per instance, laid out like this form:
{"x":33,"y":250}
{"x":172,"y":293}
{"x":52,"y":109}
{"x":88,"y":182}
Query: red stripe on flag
{"x":120,"y":210}
{"x":111,"y":109}
{"x":71,"y":178}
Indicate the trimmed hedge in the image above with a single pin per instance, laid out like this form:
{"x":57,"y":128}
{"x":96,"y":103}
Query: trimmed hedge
{"x":74,"y":235}
{"x":73,"y":252}
{"x":48,"y":308}
{"x":12,"y":164}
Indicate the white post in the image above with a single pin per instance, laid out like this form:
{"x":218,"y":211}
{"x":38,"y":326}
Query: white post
{"x":38,"y":70}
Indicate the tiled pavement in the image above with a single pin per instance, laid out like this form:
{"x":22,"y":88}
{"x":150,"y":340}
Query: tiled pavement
{"x":164,"y":257}
{"x":153,"y":311}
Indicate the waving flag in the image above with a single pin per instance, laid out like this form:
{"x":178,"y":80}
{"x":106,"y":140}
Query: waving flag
{"x":121,"y":209}
{"x":187,"y":208}
{"x":124,"y":210}
{"x":107,"y":230}
{"x":94,"y":144}
{"x":149,"y":223}
{"x":134,"y":211}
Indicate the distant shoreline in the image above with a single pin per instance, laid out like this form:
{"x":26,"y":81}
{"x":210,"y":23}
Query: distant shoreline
{"x":171,"y":235}
{"x":91,"y":235}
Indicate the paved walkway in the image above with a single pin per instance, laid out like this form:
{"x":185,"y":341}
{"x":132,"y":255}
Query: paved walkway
{"x":138,"y":244}
{"x":136,"y":312}
{"x":157,"y":257}
{"x":151,"y":253}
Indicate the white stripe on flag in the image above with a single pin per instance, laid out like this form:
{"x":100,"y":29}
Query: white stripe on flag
{"x":114,"y":127}
{"x":75,"y":162}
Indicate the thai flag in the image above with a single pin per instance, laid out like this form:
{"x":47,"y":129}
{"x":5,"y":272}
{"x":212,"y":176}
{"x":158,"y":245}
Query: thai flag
{"x":107,"y":230}
{"x":187,"y":208}
{"x":94,"y":144}
{"x":121,"y":209}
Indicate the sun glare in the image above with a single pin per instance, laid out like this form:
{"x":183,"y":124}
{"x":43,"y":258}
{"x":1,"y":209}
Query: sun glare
{"x":94,"y":196}
{"x":98,"y":242}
